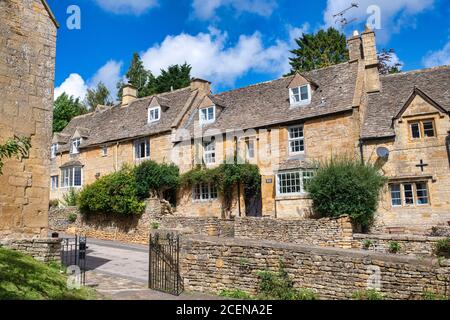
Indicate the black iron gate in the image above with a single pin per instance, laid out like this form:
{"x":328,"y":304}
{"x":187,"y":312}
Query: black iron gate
{"x":164,"y":264}
{"x":73,"y":256}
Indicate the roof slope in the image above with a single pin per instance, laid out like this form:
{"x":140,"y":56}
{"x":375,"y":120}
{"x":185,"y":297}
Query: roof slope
{"x":396,"y":90}
{"x":118,"y":123}
{"x":268,"y":103}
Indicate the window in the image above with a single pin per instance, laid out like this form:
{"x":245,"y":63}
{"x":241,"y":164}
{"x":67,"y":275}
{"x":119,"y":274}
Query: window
{"x":54,"y":182}
{"x":142,"y":149}
{"x":104,"y":151}
{"x":296,"y":140}
{"x":250,"y":146}
{"x":71,"y":177}
{"x":293,"y":183}
{"x":54,"y":150}
{"x":409,"y":194}
{"x":154,"y":114}
{"x":207,"y":115}
{"x":209,"y":151}
{"x":300,"y":95}
{"x":75,"y":146}
{"x":396,"y":195}
{"x":204,"y":192}
{"x":422,"y":129}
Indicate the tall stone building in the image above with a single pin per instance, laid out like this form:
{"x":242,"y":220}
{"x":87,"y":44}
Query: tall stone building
{"x":27,"y":63}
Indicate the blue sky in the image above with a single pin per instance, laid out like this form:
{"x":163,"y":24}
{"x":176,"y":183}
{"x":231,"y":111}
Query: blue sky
{"x":232,"y":43}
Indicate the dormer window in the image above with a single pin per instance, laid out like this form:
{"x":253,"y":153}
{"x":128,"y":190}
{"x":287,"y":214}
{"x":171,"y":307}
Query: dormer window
{"x":54,"y":150}
{"x":207,"y":115}
{"x":154,"y":114}
{"x":422,"y":129}
{"x":300,"y":95}
{"x":75,"y":149}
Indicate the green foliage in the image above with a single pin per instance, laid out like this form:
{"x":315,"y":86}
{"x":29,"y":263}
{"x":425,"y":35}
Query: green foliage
{"x":386,"y":65}
{"x":155,"y":178}
{"x":443,"y":248}
{"x":72,"y":217}
{"x":54,"y":203}
{"x":236,"y":294}
{"x":97,"y":96}
{"x":114,"y":193}
{"x":346,"y":187}
{"x":394,"y":247}
{"x":315,"y":51}
{"x":16,"y":147}
{"x":71,"y":198}
{"x":367,"y":244}
{"x":175,"y":77}
{"x":23,"y":278}
{"x":432,"y":296}
{"x":64,"y":109}
{"x":279,"y":286}
{"x":226,"y":177}
{"x":370,"y":294}
{"x":155,"y":225}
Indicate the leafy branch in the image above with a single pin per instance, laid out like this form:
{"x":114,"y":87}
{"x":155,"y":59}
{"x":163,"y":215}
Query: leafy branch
{"x":15,"y":147}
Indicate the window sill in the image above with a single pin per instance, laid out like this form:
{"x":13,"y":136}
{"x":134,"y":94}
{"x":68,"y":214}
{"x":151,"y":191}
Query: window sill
{"x":303,"y":196}
{"x":204,"y":201}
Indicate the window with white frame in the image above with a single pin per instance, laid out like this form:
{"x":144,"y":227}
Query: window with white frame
{"x":154,"y":114}
{"x":204,"y":192}
{"x":54,"y":183}
{"x":54,"y":150}
{"x":250,"y":148}
{"x":209,"y":151}
{"x":293,"y":182}
{"x":300,"y":95}
{"x":142,"y":149}
{"x":75,"y":146}
{"x":207,"y":115}
{"x":409,"y":194}
{"x":296,"y":140}
{"x":71,"y":177}
{"x":104,"y":151}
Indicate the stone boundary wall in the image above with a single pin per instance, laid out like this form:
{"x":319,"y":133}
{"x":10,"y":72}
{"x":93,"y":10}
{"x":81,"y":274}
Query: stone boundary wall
{"x":409,"y":244}
{"x":441,"y":231}
{"x":212,"y":264}
{"x":199,"y":225}
{"x":58,"y":218}
{"x":45,"y":249}
{"x":322,"y":232}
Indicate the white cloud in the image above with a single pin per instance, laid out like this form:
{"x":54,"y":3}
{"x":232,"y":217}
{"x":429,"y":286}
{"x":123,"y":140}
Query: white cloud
{"x":207,"y":9}
{"x":295,"y":33}
{"x":136,"y":7}
{"x":76,"y":86}
{"x":438,"y":58}
{"x":212,"y":59}
{"x":395,"y":14}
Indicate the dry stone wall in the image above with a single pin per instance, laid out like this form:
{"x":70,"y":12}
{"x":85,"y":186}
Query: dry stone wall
{"x":212,"y":264}
{"x":45,"y":250}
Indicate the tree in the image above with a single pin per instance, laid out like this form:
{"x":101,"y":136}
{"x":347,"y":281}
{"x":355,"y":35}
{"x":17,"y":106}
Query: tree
{"x":176,"y":77}
{"x":97,"y":96}
{"x":388,"y":64}
{"x":65,"y":108}
{"x":16,"y":147}
{"x":326,"y":48}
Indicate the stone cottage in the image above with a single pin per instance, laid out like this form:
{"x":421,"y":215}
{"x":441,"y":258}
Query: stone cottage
{"x":400,"y":122}
{"x":27,"y":64}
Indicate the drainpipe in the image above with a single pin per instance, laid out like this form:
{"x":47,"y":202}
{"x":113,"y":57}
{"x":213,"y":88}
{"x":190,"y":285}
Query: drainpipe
{"x":361,"y":149}
{"x":117,"y":155}
{"x":239,"y":184}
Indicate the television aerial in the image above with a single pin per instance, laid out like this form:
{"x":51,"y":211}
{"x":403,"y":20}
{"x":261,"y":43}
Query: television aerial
{"x":340,"y":17}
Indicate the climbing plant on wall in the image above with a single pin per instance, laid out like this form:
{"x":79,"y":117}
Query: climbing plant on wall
{"x":15,"y":147}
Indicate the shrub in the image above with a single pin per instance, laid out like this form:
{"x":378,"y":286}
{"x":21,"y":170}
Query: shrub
{"x":443,"y":248}
{"x":345,"y":186}
{"x":279,"y":286}
{"x":114,"y":193}
{"x":155,"y":178}
{"x":71,"y":198}
{"x":53,"y":203}
{"x":370,"y":294}
{"x":394,"y":247}
{"x":429,"y":295}
{"x":236,"y":294}
{"x":367,"y":244}
{"x":72,"y":217}
{"x":155,"y":225}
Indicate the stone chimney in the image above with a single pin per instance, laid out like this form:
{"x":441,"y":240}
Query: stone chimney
{"x":203,"y":86}
{"x":129,"y":93}
{"x":370,"y":60}
{"x":355,"y":47}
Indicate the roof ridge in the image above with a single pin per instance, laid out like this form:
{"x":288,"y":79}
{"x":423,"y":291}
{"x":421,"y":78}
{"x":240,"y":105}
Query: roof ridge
{"x":417,"y":71}
{"x":160,"y":95}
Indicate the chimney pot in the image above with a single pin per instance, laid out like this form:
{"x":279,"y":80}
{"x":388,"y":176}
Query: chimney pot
{"x":202,"y":85}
